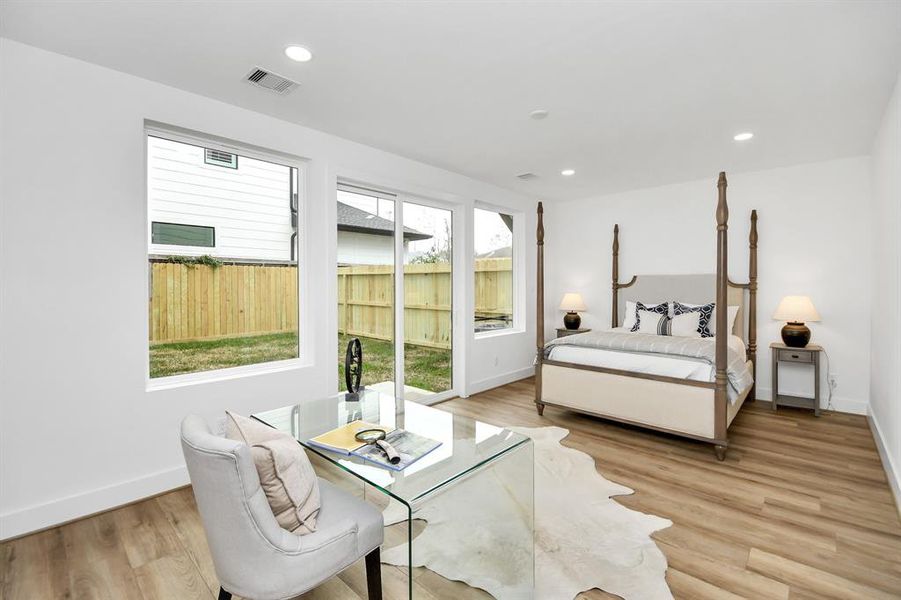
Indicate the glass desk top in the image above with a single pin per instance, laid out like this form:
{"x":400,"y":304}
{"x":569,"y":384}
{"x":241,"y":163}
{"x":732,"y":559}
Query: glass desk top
{"x":466,"y":444}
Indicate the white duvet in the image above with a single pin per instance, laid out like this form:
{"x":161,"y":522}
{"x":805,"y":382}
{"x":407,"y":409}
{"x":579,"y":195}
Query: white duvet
{"x":652,"y":364}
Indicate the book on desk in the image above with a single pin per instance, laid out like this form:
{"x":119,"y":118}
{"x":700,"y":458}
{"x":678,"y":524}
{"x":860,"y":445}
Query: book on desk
{"x":411,"y":446}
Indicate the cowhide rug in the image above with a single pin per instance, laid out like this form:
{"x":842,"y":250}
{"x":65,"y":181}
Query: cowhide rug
{"x":583,"y":539}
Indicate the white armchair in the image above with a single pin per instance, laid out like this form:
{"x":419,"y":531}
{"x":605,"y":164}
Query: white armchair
{"x":254,"y":557}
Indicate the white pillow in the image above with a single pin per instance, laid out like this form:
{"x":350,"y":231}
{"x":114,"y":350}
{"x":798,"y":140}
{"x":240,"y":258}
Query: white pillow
{"x":685,"y":325}
{"x":649,"y":322}
{"x":730,"y":317}
{"x":629,"y":317}
{"x":286,"y":475}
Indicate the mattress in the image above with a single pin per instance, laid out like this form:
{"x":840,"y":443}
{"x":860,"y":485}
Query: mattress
{"x":651,"y":364}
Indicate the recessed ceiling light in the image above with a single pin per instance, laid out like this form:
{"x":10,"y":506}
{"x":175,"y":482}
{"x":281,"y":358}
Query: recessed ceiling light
{"x":298,"y":53}
{"x":743,"y":137}
{"x":568,"y":172}
{"x":539,"y":114}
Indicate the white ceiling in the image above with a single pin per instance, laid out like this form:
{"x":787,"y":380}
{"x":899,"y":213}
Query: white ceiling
{"x":640,"y":93}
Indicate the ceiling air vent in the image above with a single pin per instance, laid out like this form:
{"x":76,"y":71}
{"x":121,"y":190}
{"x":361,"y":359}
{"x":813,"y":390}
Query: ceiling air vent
{"x":527,"y":176}
{"x":270,"y":81}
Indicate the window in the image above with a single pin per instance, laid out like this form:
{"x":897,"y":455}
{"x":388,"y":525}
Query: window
{"x":493,"y":239}
{"x":222,"y":242}
{"x":177,"y":234}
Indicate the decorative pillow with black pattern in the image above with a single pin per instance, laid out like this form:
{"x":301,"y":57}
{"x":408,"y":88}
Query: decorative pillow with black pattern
{"x":684,"y":325}
{"x":660,"y":309}
{"x":705,"y":313}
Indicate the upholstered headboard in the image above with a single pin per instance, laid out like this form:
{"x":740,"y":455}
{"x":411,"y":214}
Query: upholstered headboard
{"x":692,"y":289}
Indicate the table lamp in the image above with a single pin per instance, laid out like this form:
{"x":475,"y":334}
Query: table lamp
{"x":572,"y":303}
{"x":796,"y":310}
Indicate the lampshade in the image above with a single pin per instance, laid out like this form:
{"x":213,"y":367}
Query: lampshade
{"x":796,"y":308}
{"x":572,"y":302}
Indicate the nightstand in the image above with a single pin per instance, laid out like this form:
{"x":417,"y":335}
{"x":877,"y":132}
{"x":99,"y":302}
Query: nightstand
{"x":563,"y":332}
{"x":808,"y":355}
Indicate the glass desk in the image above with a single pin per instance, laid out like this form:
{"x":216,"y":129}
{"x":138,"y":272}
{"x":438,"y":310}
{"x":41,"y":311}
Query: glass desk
{"x":476,"y":488}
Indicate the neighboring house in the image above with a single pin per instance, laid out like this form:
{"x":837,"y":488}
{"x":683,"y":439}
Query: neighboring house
{"x":210,"y":202}
{"x":238,"y":208}
{"x":367,"y":239}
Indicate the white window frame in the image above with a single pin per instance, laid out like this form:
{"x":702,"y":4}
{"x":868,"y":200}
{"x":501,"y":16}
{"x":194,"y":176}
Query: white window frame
{"x":519,"y":271}
{"x":305,"y":338}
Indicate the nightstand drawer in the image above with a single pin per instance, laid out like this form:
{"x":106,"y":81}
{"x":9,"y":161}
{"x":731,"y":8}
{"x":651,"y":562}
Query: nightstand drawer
{"x":795,"y":356}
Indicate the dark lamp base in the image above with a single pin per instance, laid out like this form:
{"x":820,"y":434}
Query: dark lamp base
{"x":795,"y":334}
{"x":572,"y":320}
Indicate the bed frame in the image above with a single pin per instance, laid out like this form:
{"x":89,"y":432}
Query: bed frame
{"x":695,"y":409}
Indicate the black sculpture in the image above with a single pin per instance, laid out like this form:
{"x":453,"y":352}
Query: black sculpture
{"x":353,"y":365}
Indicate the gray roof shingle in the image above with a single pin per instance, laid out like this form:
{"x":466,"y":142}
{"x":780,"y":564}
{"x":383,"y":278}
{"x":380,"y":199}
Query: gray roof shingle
{"x":351,"y":218}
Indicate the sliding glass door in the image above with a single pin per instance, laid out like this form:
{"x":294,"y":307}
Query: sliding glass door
{"x":380,"y":236}
{"x":428,"y":301}
{"x":366,"y":258}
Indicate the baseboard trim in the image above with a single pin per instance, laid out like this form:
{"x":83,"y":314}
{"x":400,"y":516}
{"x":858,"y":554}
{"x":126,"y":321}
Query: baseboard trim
{"x":892,"y":472}
{"x":484,"y":385}
{"x":840,"y":404}
{"x":79,"y":506}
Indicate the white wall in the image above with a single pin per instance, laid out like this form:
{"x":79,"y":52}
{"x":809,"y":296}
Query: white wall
{"x":885,"y":369}
{"x":814,"y":240}
{"x":79,"y":431}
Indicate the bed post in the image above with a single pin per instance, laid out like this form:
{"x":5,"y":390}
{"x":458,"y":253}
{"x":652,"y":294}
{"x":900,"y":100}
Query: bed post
{"x":614,"y":312}
{"x":752,"y":304}
{"x":722,"y":281}
{"x":539,"y":310}
{"x":614,"y":319}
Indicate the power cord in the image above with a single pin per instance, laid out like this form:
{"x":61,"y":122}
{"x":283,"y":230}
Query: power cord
{"x":829,"y":382}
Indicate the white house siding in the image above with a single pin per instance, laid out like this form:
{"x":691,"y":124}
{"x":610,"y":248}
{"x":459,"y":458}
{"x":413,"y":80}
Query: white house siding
{"x":355,"y":248}
{"x":249,"y":207}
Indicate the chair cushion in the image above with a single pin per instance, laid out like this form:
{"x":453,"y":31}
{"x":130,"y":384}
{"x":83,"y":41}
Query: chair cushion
{"x":338,"y":507}
{"x":285,"y":472}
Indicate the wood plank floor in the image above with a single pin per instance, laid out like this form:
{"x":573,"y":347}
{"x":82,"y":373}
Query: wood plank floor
{"x":800,"y":509}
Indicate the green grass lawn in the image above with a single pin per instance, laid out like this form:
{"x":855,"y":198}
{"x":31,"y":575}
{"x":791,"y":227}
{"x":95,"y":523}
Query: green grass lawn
{"x":206,"y":355}
{"x":426,"y":368}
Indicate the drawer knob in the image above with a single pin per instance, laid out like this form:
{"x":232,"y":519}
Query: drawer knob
{"x":794,"y":356}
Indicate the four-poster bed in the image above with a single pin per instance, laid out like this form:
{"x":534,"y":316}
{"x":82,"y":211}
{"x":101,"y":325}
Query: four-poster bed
{"x":669,"y":390}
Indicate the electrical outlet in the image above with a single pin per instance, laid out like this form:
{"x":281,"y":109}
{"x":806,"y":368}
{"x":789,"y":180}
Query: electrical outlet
{"x":832,"y":381}
{"x":495,"y":361}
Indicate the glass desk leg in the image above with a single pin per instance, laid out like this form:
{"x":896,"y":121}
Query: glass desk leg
{"x":478,"y":530}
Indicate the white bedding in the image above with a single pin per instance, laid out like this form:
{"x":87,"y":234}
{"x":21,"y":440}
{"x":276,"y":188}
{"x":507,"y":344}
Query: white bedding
{"x":652,"y":364}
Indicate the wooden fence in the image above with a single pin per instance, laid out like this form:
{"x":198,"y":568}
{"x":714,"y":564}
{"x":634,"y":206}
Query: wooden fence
{"x":366,"y":299}
{"x":195,"y":302}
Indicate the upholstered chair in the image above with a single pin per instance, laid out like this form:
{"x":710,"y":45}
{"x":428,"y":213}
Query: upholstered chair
{"x":254,"y":557}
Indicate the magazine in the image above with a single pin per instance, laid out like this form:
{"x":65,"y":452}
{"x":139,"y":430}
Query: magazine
{"x":342,"y":439}
{"x":409,"y":445}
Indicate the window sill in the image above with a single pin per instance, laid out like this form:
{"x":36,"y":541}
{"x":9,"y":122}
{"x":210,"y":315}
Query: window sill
{"x":498,"y":333}
{"x":217,"y":375}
